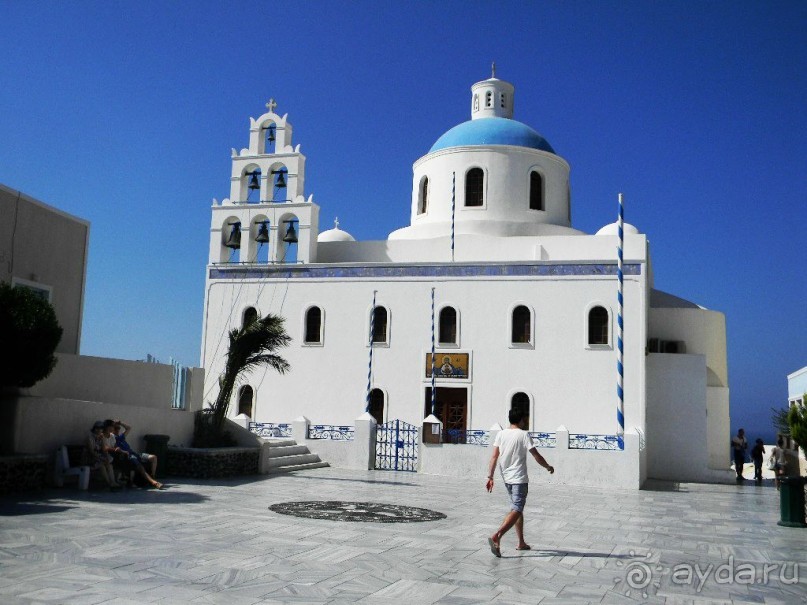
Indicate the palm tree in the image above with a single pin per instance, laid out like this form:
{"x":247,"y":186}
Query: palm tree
{"x":250,"y":347}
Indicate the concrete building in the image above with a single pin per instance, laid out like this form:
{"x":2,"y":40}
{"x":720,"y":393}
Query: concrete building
{"x":797,"y":386}
{"x":521,"y":306}
{"x":45,"y":250}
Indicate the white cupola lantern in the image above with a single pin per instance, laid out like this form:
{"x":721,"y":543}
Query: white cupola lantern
{"x":492,"y":98}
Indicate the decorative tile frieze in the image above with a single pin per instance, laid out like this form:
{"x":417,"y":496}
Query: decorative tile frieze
{"x":226,"y":271}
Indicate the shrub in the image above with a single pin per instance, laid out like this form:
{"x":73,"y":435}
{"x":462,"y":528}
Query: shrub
{"x":29,"y":334}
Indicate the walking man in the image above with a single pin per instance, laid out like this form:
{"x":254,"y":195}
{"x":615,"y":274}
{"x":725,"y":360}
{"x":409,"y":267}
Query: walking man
{"x":510,"y":450}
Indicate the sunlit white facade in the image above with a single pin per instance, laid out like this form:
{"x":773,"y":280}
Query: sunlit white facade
{"x":521,"y":305}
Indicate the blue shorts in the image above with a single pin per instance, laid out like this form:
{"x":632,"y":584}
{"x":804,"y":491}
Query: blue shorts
{"x":518,"y":495}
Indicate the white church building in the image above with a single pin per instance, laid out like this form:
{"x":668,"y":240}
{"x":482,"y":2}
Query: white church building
{"x":519,"y":307}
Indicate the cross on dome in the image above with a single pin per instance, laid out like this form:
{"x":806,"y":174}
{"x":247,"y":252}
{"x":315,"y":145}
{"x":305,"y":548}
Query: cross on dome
{"x":336,"y":223}
{"x":493,"y":69}
{"x":271,"y":105}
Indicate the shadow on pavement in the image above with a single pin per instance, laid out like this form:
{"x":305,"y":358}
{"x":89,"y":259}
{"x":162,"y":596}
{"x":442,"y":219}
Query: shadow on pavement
{"x":405,"y":483}
{"x":60,"y":500}
{"x":545,"y":552}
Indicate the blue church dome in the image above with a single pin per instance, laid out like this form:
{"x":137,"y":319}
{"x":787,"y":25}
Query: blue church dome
{"x":492,"y":131}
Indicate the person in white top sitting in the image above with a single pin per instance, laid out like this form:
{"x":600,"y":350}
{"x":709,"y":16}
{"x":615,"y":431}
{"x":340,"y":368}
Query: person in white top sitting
{"x":510,"y":451}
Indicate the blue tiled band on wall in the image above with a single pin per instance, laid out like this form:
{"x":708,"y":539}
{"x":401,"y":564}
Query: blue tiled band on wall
{"x":387,"y":271}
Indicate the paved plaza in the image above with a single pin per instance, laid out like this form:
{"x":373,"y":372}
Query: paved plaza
{"x":216,"y":541}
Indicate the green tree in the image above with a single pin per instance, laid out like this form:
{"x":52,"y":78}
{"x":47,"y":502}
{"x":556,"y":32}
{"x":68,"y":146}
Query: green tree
{"x":797,"y":419}
{"x":254,"y":345}
{"x":779,"y":420}
{"x":29,"y":334}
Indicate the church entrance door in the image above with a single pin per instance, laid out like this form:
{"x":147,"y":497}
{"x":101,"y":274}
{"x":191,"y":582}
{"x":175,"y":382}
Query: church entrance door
{"x":451,"y":408}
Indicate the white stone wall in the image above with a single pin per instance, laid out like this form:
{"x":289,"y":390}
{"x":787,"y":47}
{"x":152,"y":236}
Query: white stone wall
{"x":568,"y":382}
{"x":605,"y":468}
{"x":116,"y":381}
{"x":506,"y":192}
{"x":676,"y":419}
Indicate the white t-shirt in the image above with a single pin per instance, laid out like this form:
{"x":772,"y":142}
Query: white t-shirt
{"x":513,"y":446}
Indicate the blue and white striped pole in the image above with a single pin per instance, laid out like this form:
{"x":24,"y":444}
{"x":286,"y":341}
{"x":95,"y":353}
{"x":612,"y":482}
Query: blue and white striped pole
{"x":434,"y":365}
{"x":453,"y":207}
{"x":620,"y":369}
{"x":370,"y":363}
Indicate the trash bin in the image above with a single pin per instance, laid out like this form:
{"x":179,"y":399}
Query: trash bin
{"x":158,"y":445}
{"x":791,"y":501}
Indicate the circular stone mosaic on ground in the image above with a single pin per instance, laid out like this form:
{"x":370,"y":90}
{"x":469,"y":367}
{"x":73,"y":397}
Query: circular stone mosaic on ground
{"x":366,"y":512}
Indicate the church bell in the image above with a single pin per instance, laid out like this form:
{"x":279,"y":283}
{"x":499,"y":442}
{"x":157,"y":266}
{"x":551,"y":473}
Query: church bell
{"x":271,"y":135}
{"x":263,"y":233}
{"x":254,"y":181}
{"x":291,"y":234}
{"x":234,"y":239}
{"x":280,"y":183}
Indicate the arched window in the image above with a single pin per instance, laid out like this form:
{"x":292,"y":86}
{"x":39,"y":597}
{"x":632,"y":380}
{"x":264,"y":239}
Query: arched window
{"x":250,"y":315}
{"x":536,"y":191}
{"x":377,"y":405}
{"x":448,"y":326}
{"x":424,"y":196}
{"x":231,"y":241}
{"x":253,"y":181}
{"x":521,"y":402}
{"x":379,"y":325}
{"x":521,"y":325}
{"x":245,"y":401}
{"x":271,"y":136}
{"x":488,"y":99}
{"x":503,"y":101}
{"x":598,"y":326}
{"x":474,"y":187}
{"x":280,"y":182}
{"x":476,"y":102}
{"x":313,"y":326}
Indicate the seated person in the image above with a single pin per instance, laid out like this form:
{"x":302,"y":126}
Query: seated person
{"x":98,"y":458}
{"x":135,"y":460}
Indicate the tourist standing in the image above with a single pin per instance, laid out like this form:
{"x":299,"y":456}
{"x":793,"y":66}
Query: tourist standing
{"x":739,"y":445}
{"x":757,"y":455}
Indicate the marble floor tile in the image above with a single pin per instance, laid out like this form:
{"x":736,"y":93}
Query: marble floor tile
{"x":217,"y":542}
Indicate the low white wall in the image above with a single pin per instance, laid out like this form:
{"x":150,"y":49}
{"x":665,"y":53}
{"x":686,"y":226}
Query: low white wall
{"x":358,"y":453}
{"x":117,"y":381}
{"x":41,"y":424}
{"x":603,"y":468}
{"x":339,"y":454}
{"x":81,"y":390}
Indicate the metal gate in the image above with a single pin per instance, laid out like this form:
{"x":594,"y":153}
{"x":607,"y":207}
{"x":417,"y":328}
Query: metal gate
{"x":396,"y":446}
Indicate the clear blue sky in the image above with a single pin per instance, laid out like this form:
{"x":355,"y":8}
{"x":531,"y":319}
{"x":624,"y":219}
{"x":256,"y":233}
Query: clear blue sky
{"x":124,"y":114}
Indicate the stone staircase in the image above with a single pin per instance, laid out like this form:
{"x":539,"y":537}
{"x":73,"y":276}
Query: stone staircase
{"x":285,"y":455}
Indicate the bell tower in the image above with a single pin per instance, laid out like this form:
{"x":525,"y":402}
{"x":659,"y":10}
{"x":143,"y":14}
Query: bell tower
{"x":267,"y":218}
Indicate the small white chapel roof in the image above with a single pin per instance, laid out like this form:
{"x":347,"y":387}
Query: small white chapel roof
{"x":335,"y":234}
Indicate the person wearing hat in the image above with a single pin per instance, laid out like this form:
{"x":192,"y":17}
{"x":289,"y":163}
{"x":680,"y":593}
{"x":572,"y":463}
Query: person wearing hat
{"x":757,"y":455}
{"x":98,"y":458}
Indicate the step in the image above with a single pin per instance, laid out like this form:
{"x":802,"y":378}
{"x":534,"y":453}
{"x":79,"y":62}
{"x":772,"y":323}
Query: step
{"x":293,"y":460}
{"x":274,"y":442}
{"x":297,"y":467}
{"x":287,"y":450}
